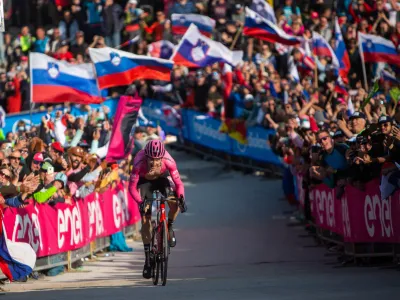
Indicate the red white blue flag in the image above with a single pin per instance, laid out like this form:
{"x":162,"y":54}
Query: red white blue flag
{"x":17,"y":259}
{"x":265,"y":10}
{"x":321,"y":47}
{"x":116,"y":67}
{"x":341,"y":52}
{"x":198,"y":51}
{"x":374,"y":49}
{"x":182,"y":22}
{"x":55,"y":81}
{"x":258,"y":27}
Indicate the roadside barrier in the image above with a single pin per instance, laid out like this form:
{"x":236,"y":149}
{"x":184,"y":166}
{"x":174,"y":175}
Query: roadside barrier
{"x":63,"y":234}
{"x":364,"y":223}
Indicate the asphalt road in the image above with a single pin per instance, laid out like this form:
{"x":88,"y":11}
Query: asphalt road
{"x":234,"y":243}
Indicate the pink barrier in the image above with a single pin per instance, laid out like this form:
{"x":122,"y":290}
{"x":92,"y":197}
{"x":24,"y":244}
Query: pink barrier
{"x":51,"y":230}
{"x":359,"y":216}
{"x":326,"y":209}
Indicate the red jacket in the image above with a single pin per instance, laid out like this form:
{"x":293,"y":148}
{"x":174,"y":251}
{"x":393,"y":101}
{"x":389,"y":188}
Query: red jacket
{"x":62,"y":3}
{"x":14,"y":101}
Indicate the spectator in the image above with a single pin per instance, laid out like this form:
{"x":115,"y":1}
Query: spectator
{"x":182,"y":7}
{"x":159,"y":29}
{"x":42,"y":42}
{"x":24,"y":40}
{"x":63,"y":52}
{"x":68,"y":27}
{"x":139,"y":140}
{"x":94,"y":9}
{"x":79,"y":47}
{"x":333,"y":159}
{"x":133,"y":16}
{"x":36,"y":163}
{"x":55,"y":41}
{"x":112,"y":23}
{"x":78,"y":14}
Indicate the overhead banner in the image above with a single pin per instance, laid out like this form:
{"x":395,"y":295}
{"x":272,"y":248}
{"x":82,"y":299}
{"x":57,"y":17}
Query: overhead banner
{"x":51,"y":230}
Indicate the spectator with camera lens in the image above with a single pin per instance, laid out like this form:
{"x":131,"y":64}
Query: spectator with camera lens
{"x":332,"y":160}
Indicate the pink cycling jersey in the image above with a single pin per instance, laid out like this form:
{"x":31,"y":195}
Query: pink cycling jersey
{"x":140,"y":169}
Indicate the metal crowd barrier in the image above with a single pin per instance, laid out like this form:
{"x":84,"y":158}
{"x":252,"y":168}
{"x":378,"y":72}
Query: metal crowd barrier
{"x":70,"y":257}
{"x":229,"y":160}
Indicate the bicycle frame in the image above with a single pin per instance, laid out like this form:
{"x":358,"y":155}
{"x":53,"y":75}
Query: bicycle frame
{"x":160,"y":249}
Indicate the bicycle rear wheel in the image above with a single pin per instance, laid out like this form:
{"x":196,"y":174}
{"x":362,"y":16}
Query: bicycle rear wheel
{"x":164,"y":253}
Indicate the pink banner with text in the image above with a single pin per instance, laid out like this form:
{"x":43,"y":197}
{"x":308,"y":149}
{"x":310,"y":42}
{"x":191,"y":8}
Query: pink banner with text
{"x":51,"y":230}
{"x":360,"y":216}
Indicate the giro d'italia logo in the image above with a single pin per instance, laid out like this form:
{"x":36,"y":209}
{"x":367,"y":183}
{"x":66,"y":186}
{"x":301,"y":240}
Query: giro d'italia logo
{"x":115,"y":58}
{"x":53,"y":69}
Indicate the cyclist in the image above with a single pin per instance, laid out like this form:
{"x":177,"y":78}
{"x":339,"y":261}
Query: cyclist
{"x":150,"y":172}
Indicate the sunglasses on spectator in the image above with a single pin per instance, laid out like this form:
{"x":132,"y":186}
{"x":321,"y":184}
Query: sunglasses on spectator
{"x":323,"y":139}
{"x":24,"y":151}
{"x":36,"y":162}
{"x":8,"y":177}
{"x":16,"y":158}
{"x":385,"y":125}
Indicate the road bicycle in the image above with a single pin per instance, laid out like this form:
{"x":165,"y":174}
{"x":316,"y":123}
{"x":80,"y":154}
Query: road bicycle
{"x":159,"y":248}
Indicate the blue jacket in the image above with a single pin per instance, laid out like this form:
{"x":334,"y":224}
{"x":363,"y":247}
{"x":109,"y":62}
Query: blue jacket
{"x":188,"y":8}
{"x":14,"y":201}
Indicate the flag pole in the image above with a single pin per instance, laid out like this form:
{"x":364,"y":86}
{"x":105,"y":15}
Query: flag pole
{"x":315,"y":73}
{"x":363,"y":63}
{"x":30,"y":86}
{"x":237,"y":36}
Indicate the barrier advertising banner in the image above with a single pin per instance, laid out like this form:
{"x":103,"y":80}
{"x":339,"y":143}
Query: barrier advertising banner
{"x":257,"y":147}
{"x":163,"y":115}
{"x":359,"y":216}
{"x":51,"y":230}
{"x":204,"y":130}
{"x":369,"y":218}
{"x":327,"y":210}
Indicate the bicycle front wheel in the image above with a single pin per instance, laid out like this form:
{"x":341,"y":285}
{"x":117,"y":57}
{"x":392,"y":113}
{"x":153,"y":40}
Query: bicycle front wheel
{"x":155,"y":264}
{"x":164,"y":254}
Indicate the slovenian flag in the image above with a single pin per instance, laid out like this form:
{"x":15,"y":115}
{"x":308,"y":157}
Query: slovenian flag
{"x":341,"y":52}
{"x":161,"y":49}
{"x":17,"y":259}
{"x":265,"y":10}
{"x":198,"y":51}
{"x":374,"y":49}
{"x":386,"y":76}
{"x":340,"y":88}
{"x":182,"y":22}
{"x":321,"y":47}
{"x":116,"y":67}
{"x":258,"y":27}
{"x":55,"y":81}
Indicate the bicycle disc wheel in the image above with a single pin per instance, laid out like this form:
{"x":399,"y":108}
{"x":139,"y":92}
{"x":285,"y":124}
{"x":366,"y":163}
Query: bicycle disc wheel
{"x":155,"y":263}
{"x":164,"y":253}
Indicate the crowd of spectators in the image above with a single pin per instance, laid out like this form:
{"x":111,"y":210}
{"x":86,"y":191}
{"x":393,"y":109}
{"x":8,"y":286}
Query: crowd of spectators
{"x":62,"y":159}
{"x":317,"y":126}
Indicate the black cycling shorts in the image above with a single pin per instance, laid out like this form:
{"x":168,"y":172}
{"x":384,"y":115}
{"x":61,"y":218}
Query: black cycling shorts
{"x":147,"y":187}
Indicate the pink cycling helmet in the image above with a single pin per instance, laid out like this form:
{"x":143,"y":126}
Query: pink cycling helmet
{"x":154,"y":149}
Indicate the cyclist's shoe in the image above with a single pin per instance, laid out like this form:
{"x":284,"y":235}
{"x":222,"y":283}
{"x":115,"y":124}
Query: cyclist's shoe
{"x":147,"y":270}
{"x":172,"y":239}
